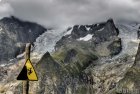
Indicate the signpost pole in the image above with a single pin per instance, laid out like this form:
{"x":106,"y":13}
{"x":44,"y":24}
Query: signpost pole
{"x":27,"y":56}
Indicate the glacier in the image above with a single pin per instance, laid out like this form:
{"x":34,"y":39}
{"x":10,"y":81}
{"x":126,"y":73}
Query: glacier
{"x":47,"y":41}
{"x":128,"y":35}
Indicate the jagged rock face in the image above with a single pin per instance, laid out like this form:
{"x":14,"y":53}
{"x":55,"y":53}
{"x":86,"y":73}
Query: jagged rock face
{"x":14,"y":33}
{"x":79,"y":31}
{"x":107,"y":32}
{"x":103,"y":37}
{"x":102,"y":31}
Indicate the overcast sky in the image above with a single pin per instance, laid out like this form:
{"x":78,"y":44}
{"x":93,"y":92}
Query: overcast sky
{"x":63,"y":13}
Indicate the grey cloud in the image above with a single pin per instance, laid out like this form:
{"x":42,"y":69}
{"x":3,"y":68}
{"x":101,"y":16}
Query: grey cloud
{"x":5,"y":9}
{"x":62,"y":13}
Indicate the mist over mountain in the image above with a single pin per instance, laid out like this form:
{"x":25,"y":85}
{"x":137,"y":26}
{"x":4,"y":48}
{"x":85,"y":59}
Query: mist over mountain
{"x":64,"y":13}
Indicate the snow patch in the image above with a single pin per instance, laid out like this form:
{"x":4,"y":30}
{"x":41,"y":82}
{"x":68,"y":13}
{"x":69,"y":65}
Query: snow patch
{"x":87,"y":28}
{"x":1,"y":29}
{"x":21,"y":55}
{"x":86,"y":38}
{"x":101,"y":29}
{"x":69,"y":32}
{"x":3,"y":65}
{"x":136,"y":40}
{"x":79,"y":26}
{"x":30,"y":30}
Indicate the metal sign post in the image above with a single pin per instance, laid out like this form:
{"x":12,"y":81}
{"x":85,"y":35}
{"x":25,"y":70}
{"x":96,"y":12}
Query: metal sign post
{"x":27,"y":56}
{"x":28,"y":72}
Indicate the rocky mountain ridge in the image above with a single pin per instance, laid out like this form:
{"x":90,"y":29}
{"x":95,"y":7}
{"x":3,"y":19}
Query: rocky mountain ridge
{"x":14,"y":33}
{"x":105,"y":34}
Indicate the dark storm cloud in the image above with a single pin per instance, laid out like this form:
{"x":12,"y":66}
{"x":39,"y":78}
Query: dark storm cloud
{"x":61,"y":13}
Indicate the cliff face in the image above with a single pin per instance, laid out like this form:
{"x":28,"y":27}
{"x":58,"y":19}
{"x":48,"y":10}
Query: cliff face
{"x":14,"y":33}
{"x":88,"y":59}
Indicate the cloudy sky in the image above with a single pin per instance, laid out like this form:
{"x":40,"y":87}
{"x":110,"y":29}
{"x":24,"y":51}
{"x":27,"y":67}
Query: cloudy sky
{"x":63,"y":13}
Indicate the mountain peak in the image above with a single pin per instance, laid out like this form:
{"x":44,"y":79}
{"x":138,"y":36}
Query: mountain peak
{"x":110,"y":20}
{"x":15,"y":34}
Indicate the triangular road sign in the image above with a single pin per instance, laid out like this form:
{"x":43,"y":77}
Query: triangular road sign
{"x":28,"y":72}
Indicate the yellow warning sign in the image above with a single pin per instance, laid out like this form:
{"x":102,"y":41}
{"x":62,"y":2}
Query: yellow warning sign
{"x":28,"y":72}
